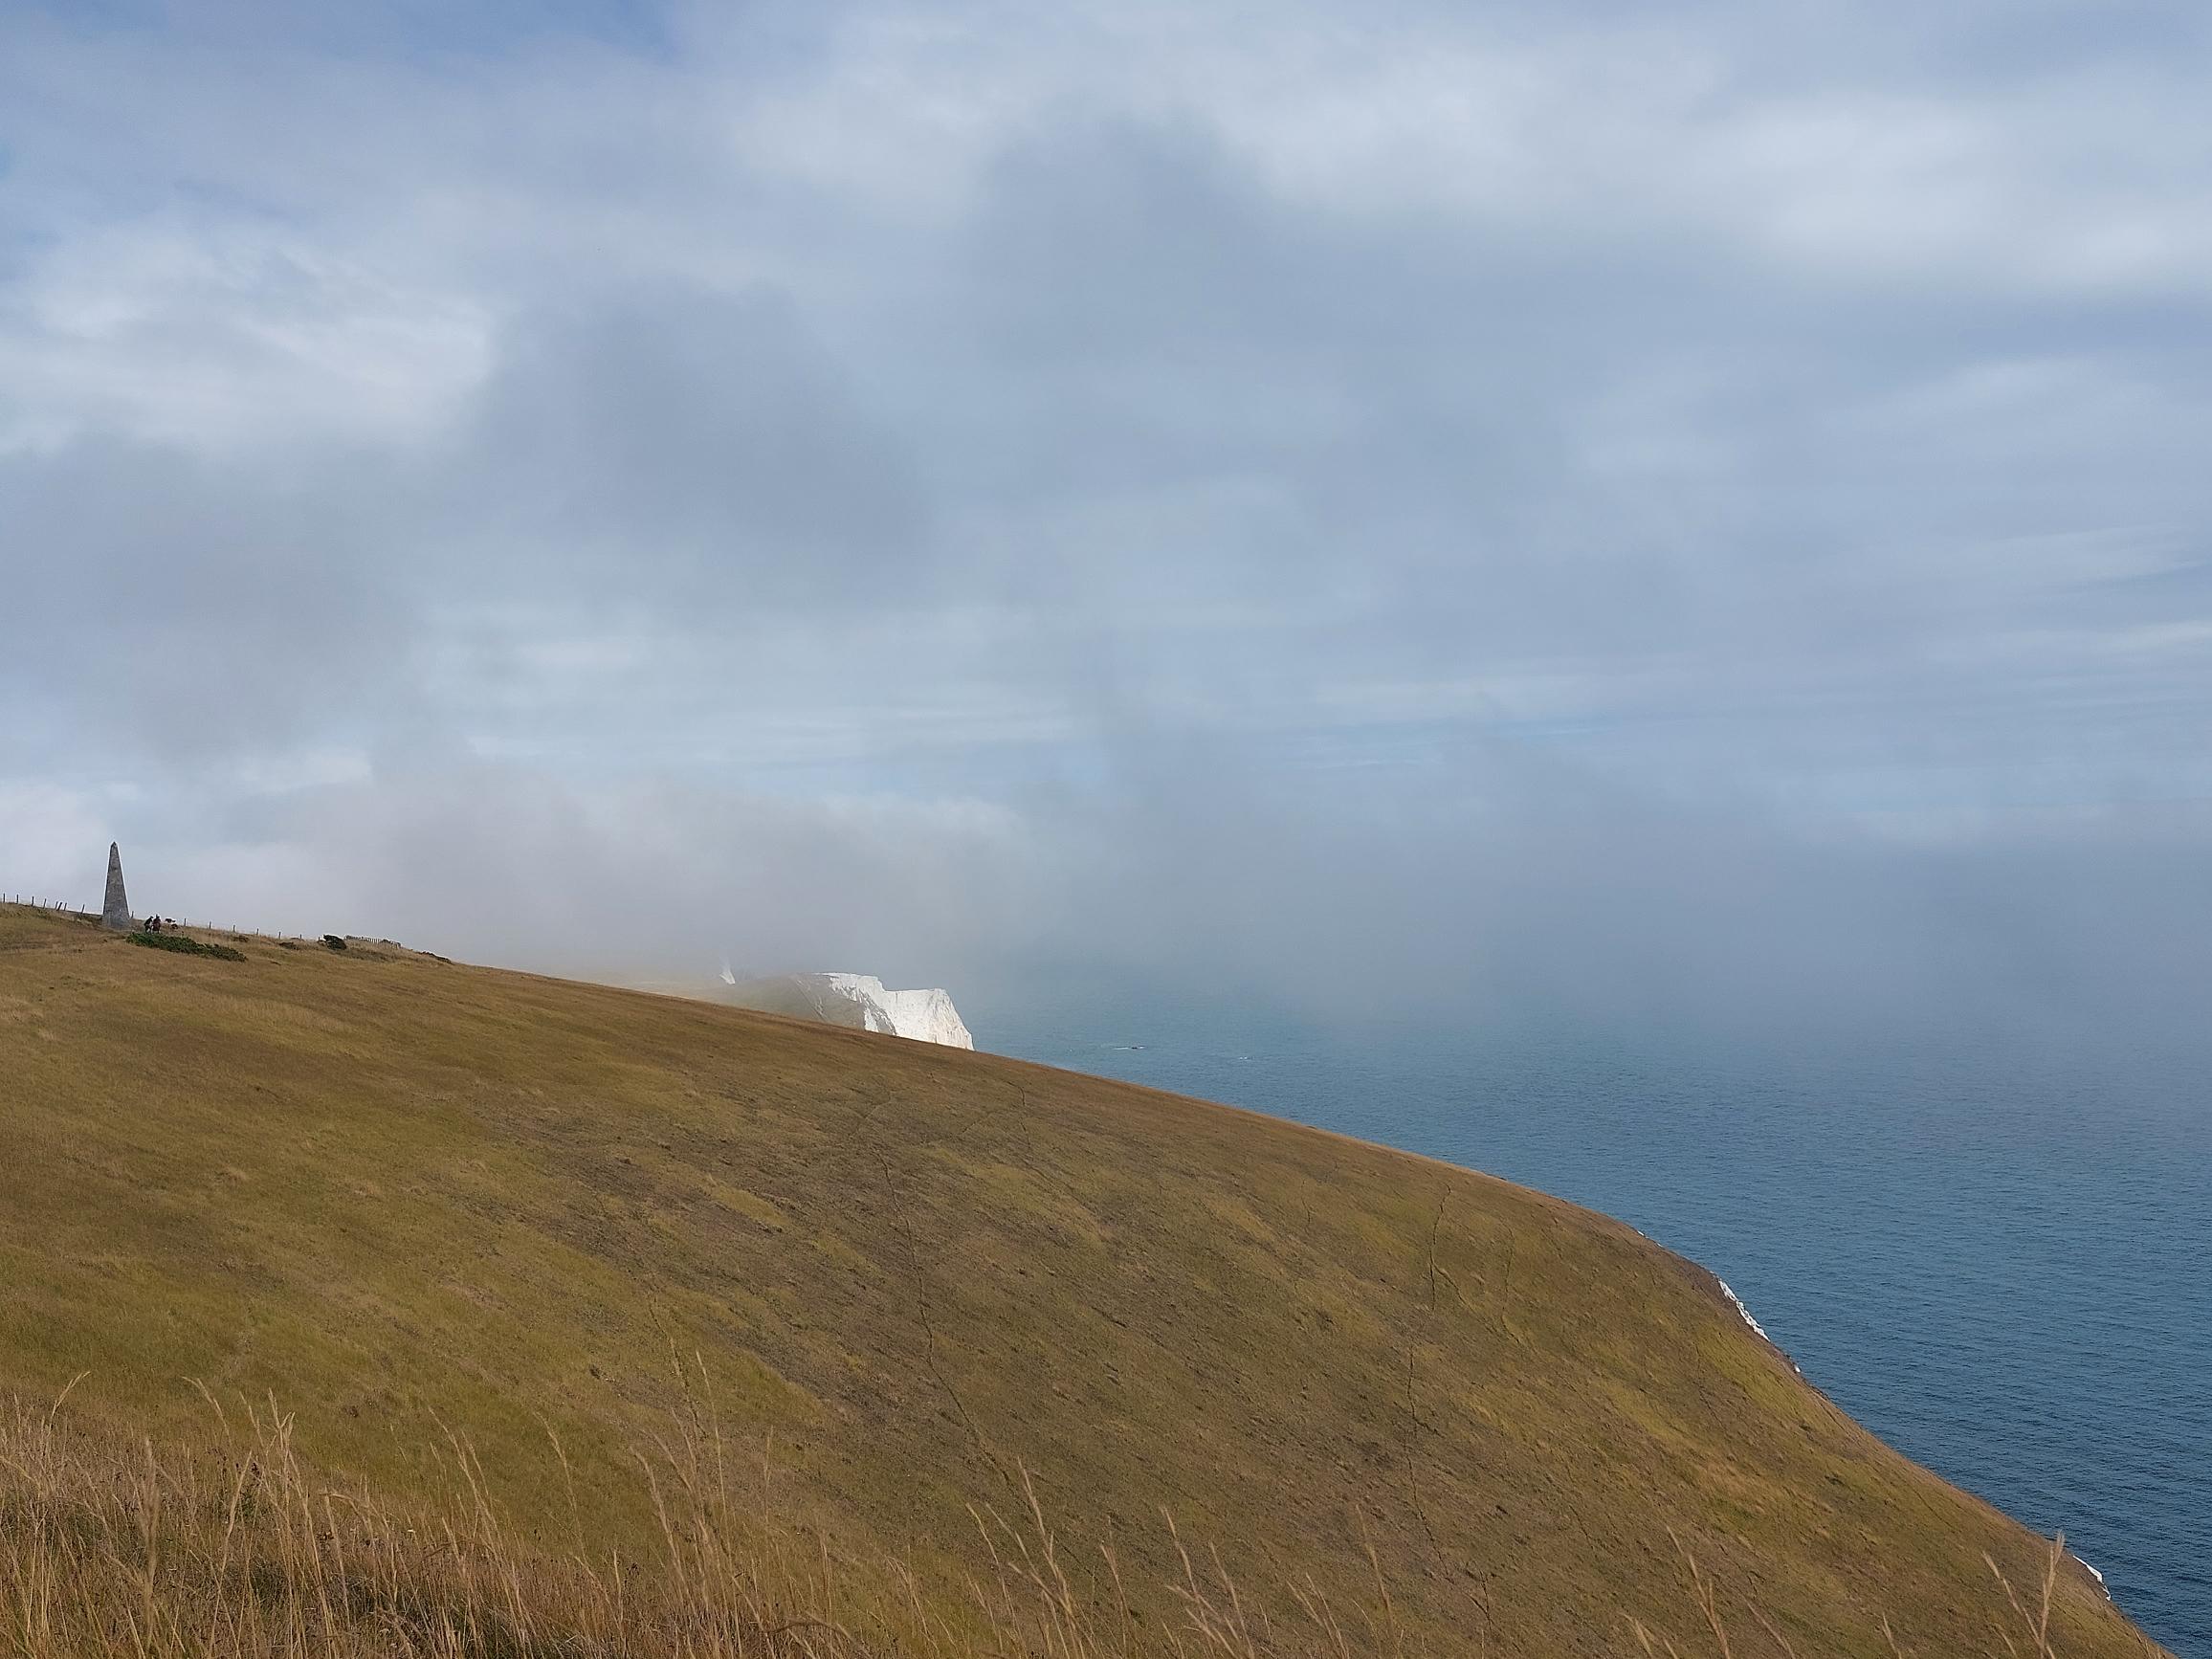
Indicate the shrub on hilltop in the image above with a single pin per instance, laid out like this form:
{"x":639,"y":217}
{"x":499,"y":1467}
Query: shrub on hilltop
{"x":184,"y":946}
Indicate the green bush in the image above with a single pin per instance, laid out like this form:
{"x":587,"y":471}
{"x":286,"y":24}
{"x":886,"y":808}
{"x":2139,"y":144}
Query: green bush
{"x":184,"y":946}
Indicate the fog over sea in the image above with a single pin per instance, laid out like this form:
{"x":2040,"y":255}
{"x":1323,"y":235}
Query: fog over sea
{"x":1995,"y":1254}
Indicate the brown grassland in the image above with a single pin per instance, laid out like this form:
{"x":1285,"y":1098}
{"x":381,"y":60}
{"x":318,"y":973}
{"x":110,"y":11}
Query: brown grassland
{"x":361,"y":1302}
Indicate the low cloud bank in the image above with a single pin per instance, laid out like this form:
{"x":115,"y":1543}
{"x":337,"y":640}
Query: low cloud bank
{"x":1693,"y":516}
{"x":1316,"y":891}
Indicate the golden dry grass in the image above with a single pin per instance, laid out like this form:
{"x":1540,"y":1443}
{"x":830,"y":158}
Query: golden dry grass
{"x":237,"y":1547}
{"x":238,"y":1550}
{"x":431,"y":1207}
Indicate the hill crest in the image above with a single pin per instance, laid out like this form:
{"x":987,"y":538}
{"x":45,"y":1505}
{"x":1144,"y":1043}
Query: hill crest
{"x":391,"y":1190}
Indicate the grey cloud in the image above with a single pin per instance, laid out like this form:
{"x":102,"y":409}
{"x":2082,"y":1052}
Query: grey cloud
{"x":1503,"y":885}
{"x":653,"y":877}
{"x":683,"y":436}
{"x":956,"y":496}
{"x":663,"y":453}
{"x":159,"y":606}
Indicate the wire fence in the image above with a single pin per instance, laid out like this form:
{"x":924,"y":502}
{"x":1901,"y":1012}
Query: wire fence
{"x":53,"y":906}
{"x":93,"y":913}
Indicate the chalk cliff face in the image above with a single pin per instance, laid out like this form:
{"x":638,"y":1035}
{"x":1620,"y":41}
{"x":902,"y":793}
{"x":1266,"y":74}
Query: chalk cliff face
{"x":927,"y":1016}
{"x":860,"y":1001}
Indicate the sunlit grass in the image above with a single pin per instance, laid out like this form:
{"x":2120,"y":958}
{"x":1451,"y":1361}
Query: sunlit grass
{"x":237,"y":1547}
{"x":403,"y":1195}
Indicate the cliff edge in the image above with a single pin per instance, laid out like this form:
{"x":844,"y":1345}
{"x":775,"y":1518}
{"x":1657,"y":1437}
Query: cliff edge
{"x":1404,"y":1409}
{"x":858,"y":1002}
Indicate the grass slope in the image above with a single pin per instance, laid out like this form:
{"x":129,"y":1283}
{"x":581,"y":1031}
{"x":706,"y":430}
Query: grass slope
{"x":393,"y":1192}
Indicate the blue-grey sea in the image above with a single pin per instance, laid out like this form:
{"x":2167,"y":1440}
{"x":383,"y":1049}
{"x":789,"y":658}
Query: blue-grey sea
{"x":1994,"y":1252}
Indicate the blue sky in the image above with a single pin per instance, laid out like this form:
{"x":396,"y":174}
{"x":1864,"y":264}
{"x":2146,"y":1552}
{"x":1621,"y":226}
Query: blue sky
{"x":1676,"y":506}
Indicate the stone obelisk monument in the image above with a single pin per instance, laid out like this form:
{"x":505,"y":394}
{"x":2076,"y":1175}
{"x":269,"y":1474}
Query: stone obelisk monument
{"x":115,"y":913}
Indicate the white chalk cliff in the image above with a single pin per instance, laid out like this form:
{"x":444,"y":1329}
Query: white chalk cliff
{"x":927,"y":1016}
{"x":860,"y":1001}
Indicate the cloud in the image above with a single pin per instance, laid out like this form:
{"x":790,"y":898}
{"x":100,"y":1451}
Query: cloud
{"x":1689,"y":509}
{"x":162,"y":610}
{"x":653,"y":878}
{"x":708,"y":439}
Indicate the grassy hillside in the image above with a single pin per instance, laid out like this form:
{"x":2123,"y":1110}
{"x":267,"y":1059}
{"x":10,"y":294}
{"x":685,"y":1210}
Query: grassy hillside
{"x":401,"y":1198}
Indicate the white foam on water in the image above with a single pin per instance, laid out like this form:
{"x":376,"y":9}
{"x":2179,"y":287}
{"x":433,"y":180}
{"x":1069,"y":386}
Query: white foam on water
{"x":1736,"y":1302}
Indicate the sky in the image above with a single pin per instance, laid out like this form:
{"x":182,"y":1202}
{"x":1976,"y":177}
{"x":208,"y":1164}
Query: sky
{"x":1691,"y":511}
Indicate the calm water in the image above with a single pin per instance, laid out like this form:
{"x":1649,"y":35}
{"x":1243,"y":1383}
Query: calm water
{"x":2000,"y":1261}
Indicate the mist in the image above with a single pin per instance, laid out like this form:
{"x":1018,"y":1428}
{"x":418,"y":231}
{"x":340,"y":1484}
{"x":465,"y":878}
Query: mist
{"x":1394,"y":514}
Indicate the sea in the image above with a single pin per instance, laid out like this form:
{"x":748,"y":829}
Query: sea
{"x":1993,"y":1250}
